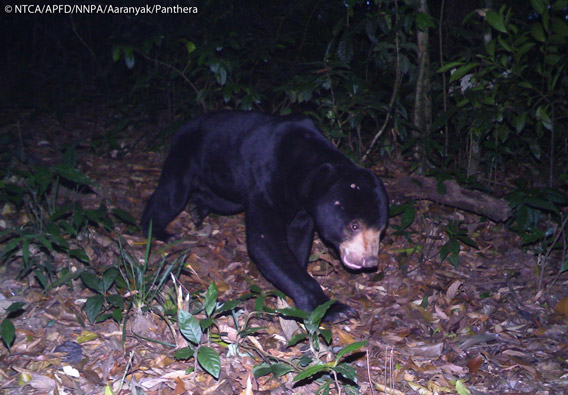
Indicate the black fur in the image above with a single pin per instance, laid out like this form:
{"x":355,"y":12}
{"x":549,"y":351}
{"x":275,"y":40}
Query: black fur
{"x":286,"y":176}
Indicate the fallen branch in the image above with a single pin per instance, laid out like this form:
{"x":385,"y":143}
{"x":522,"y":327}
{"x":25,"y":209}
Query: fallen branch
{"x":418,"y":188}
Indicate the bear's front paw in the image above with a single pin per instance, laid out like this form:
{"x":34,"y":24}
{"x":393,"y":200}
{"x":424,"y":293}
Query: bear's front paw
{"x":339,"y":312}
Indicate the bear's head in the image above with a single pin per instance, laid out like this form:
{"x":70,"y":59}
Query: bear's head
{"x":351,"y":212}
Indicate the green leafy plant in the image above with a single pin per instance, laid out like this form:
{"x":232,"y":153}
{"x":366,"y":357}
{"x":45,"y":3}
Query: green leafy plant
{"x":238,"y":69}
{"x":407,"y":215}
{"x":200,"y":323}
{"x":7,"y":329}
{"x":312,"y":323}
{"x":310,"y":366}
{"x":197,"y":327}
{"x":541,"y":223}
{"x":531,"y":207}
{"x":51,"y":227}
{"x":103,"y":305}
{"x":336,"y":371}
{"x":456,"y":237}
{"x":145,"y":284}
{"x":512,"y":94}
{"x":136,"y":285}
{"x":193,"y":329}
{"x":213,"y":69}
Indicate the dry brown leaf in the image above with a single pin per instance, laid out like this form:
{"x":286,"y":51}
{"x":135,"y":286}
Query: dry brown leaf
{"x":530,"y":369}
{"x":181,"y":374}
{"x":479,"y":338}
{"x":475,"y":363}
{"x":403,"y":331}
{"x":248,"y":389}
{"x":562,"y":306}
{"x":44,"y":362}
{"x":24,"y":346}
{"x":42,"y":383}
{"x":180,"y":387}
{"x":420,"y":389}
{"x":478,"y":316}
{"x":426,"y":314}
{"x":255,"y":342}
{"x":388,"y":390}
{"x":162,"y":361}
{"x":93,"y":376}
{"x":220,"y":245}
{"x":223,"y":286}
{"x":344,"y":337}
{"x":231,"y":333}
{"x":440,"y":313}
{"x":453,"y":290}
{"x":454,"y":369}
{"x":515,"y":354}
{"x":149,"y":383}
{"x":438,"y":380}
{"x":269,"y":384}
{"x":427,"y":351}
{"x":438,"y":385}
{"x":289,"y":327}
{"x":391,"y":338}
{"x":540,"y":331}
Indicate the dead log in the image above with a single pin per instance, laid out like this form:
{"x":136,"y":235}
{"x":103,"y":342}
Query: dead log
{"x":477,"y":202}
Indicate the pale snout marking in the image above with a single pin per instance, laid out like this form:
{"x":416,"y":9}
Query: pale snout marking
{"x":361,"y":251}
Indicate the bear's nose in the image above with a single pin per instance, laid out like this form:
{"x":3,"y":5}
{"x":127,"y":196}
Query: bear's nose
{"x":371,"y":261}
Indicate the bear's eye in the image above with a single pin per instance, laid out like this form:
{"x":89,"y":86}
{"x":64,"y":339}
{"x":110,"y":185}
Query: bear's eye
{"x":355,"y":226}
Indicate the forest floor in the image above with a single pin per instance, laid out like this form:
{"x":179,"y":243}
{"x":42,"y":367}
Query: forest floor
{"x":427,"y":323}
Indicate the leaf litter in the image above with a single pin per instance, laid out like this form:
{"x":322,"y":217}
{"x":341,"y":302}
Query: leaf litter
{"x":431,"y":327}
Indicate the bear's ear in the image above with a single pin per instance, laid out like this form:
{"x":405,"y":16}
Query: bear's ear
{"x":317,"y":181}
{"x":324,"y":172}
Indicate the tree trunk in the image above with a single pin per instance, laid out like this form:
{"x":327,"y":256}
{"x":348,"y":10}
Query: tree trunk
{"x":476,"y":135}
{"x":422,"y":117}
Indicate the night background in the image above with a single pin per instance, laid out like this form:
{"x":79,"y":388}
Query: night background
{"x":460,"y":107}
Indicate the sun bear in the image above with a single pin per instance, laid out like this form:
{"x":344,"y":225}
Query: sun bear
{"x":290,"y":181}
